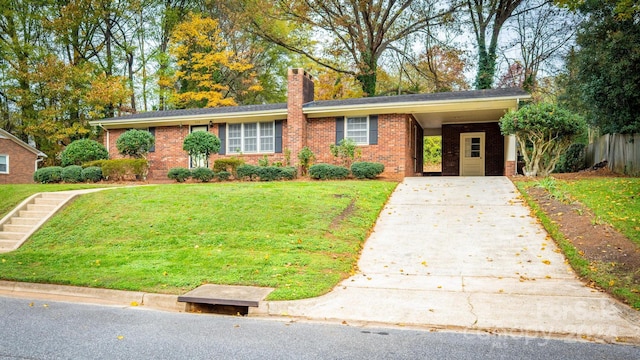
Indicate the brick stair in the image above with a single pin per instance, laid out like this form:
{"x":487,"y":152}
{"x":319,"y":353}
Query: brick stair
{"x":24,"y":220}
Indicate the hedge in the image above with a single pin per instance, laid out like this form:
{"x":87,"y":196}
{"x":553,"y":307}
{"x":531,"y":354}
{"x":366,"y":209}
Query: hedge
{"x":203,"y":174}
{"x":328,"y":172}
{"x":72,"y":174}
{"x":179,"y":174}
{"x":118,"y":169}
{"x":231,"y":165}
{"x":92,"y":173}
{"x":48,"y":175}
{"x":366,"y":170}
{"x":266,"y":173}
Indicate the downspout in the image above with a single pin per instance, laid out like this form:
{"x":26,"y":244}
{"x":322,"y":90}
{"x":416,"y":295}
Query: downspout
{"x":39,"y":159}
{"x":107,"y":131}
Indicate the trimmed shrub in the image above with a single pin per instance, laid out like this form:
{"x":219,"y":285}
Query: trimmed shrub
{"x":366,"y":170}
{"x":203,"y":174}
{"x":223,"y":175}
{"x":72,"y":174}
{"x":48,"y":175}
{"x":230,"y":165}
{"x":328,"y":172}
{"x":81,"y":151}
{"x":92,"y":173}
{"x":179,"y":174}
{"x":247,"y":171}
{"x":266,"y":173}
{"x":118,"y":169}
{"x":135,"y":143}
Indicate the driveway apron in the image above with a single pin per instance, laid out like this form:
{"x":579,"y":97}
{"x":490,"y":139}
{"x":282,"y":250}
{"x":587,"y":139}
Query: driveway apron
{"x":465,"y":253}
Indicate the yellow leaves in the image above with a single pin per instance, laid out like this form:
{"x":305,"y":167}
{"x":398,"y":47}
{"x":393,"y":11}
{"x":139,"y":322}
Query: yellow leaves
{"x":612,"y":282}
{"x":134,"y":303}
{"x":120,"y":337}
{"x":546,"y":262}
{"x":207,"y":67}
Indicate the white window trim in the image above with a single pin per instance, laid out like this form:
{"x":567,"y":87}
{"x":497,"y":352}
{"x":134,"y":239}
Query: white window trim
{"x":258,"y":143}
{"x":346,"y":133}
{"x":6,"y":156}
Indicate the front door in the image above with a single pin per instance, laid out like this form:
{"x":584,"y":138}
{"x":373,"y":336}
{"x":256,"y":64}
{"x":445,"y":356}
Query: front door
{"x":472,"y":154}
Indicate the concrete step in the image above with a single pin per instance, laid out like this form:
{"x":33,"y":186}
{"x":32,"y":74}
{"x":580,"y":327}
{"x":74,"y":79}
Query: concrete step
{"x":7,"y":244}
{"x":47,"y":201}
{"x":16,"y":228}
{"x":8,"y":235}
{"x":24,"y":221}
{"x":32,"y":213}
{"x":59,"y":196}
{"x":37,"y":207}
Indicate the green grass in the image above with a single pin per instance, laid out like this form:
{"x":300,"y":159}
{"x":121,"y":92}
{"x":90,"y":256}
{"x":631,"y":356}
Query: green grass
{"x":592,"y":193}
{"x":12,"y":195}
{"x":614,"y":200}
{"x":301,"y":238}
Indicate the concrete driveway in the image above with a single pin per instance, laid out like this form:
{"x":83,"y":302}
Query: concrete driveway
{"x":465,"y":253}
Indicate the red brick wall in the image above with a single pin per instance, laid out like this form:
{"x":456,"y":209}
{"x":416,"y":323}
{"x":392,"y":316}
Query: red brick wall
{"x":168,"y":149}
{"x":494,"y":148}
{"x":21,"y":163}
{"x":393,"y":148}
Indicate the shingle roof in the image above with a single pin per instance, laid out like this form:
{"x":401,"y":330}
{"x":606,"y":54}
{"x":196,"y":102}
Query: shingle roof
{"x":397,"y":99}
{"x":202,"y":111}
{"x":444,"y":96}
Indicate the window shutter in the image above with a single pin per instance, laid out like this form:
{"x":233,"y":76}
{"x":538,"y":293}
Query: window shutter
{"x":278,"y":137}
{"x":222,"y":135}
{"x":152,"y":130}
{"x":339,"y":129}
{"x":373,"y":129}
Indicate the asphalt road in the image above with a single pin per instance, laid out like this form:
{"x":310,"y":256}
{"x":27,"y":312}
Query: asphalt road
{"x":34,"y":329}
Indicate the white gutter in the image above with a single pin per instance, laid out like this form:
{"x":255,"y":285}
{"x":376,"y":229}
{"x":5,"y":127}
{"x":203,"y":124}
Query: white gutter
{"x":398,"y":107}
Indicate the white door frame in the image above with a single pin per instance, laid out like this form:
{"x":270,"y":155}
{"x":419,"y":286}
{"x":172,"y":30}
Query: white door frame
{"x":472,"y":160}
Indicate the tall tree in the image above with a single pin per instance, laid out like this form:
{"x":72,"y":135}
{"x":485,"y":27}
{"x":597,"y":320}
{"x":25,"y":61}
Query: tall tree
{"x":545,"y":33}
{"x":605,"y":69}
{"x":487,"y":19}
{"x":360,"y":30}
{"x":206,"y":67}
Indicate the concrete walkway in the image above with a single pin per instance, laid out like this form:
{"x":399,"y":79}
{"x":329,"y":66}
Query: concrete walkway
{"x":464,"y":253}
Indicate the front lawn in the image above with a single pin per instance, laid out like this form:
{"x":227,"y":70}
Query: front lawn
{"x":605,"y":259}
{"x":13,"y":194}
{"x":613,"y":200}
{"x":301,"y":238}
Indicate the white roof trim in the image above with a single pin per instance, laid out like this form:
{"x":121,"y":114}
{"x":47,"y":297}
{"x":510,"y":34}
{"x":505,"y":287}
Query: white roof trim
{"x":7,"y":135}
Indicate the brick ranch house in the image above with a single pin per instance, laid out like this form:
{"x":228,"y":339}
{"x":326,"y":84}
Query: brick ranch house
{"x":389,"y":130}
{"x":18,"y":160}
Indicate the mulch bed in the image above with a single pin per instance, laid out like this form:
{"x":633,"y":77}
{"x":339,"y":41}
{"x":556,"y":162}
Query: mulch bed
{"x":598,"y":242}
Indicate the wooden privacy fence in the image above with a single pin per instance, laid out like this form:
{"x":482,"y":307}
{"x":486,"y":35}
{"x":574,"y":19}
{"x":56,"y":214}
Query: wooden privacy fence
{"x":622,"y":151}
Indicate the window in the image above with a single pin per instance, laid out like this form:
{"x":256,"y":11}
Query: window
{"x":357,"y":129}
{"x":199,"y":161}
{"x":4,"y":164}
{"x":251,"y":137}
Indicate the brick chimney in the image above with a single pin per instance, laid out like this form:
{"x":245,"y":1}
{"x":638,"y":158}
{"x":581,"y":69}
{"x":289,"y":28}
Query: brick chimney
{"x":299,"y":92}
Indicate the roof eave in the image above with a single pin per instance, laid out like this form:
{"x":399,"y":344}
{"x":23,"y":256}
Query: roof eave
{"x":407,"y":107}
{"x":16,"y":140}
{"x":265,"y":115}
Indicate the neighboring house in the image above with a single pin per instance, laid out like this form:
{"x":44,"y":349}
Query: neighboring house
{"x":388,"y":129}
{"x":18,"y":160}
